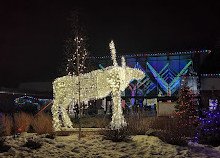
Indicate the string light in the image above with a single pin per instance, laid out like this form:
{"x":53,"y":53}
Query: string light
{"x":158,"y":54}
{"x":210,"y":75}
{"x":209,"y":127}
{"x":186,"y":112}
{"x":82,"y":53}
{"x":30,"y":99}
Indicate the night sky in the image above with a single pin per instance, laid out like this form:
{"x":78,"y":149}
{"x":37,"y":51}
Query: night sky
{"x":32,"y":33}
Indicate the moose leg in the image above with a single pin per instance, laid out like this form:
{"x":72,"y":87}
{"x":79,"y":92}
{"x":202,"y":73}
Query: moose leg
{"x":55,"y":113}
{"x":66,"y":119}
{"x":118,"y":120}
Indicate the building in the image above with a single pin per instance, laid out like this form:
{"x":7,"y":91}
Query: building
{"x":210,"y":88}
{"x":27,"y":94}
{"x":163,"y":77}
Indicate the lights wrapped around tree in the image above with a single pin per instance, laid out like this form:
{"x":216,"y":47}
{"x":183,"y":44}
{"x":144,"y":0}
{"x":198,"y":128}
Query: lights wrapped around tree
{"x":208,"y":131}
{"x":94,"y":85}
{"x":186,"y":109}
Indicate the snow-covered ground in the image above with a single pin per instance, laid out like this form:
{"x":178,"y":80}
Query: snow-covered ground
{"x":94,"y":147}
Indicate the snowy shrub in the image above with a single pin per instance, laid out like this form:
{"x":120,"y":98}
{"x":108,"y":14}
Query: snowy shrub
{"x":116,"y":135}
{"x":42,"y":124}
{"x":172,"y":137}
{"x":32,"y":144}
{"x":22,"y":121}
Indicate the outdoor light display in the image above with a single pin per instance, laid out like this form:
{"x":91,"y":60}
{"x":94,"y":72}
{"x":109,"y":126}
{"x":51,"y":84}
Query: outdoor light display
{"x":209,"y":127}
{"x":36,"y":103}
{"x":186,"y":108}
{"x":94,"y":85}
{"x":163,"y":72}
{"x":30,"y":100}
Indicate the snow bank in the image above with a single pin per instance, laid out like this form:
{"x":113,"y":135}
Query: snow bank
{"x":93,"y":146}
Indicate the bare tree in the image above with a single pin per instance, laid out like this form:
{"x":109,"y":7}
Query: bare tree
{"x":75,"y":49}
{"x":76,"y":56}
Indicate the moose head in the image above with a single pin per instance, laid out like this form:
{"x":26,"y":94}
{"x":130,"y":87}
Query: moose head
{"x":126,"y":74}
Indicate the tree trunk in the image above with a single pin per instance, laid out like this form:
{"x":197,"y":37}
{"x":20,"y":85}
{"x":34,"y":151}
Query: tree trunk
{"x":78,"y":74}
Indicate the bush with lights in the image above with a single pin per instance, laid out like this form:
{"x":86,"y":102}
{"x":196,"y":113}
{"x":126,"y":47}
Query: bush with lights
{"x":208,"y":131}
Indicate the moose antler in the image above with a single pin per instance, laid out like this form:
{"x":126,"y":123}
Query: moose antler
{"x":113,"y":53}
{"x":123,"y":63}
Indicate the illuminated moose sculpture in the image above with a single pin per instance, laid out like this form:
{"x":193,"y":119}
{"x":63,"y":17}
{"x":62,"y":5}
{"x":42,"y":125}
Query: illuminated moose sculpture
{"x":94,"y":85}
